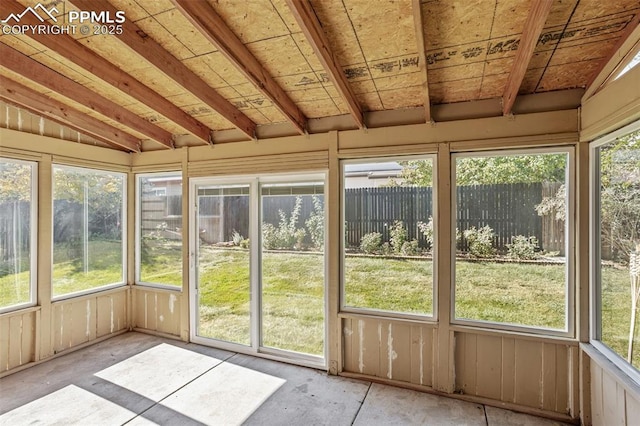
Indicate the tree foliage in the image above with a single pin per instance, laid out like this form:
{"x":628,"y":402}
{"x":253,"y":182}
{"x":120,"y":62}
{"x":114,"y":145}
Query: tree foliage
{"x":503,"y":169}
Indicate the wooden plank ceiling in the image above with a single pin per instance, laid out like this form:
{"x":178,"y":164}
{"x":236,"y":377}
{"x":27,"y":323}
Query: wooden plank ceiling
{"x":186,"y":72}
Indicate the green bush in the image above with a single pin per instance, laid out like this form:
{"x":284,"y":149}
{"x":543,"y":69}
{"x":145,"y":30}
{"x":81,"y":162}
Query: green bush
{"x":522,"y":247}
{"x":287,"y":235}
{"x":315,"y":224}
{"x":410,"y":248}
{"x":370,"y":243}
{"x":398,"y":236}
{"x":427,"y":231}
{"x":480,"y":241}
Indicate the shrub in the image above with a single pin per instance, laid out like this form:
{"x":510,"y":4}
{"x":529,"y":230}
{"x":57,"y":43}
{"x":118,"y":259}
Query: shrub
{"x":236,"y":238}
{"x":480,"y":241}
{"x":286,"y":235}
{"x":522,"y":247}
{"x":315,"y":224}
{"x":427,"y":231}
{"x":370,"y":243}
{"x":244,"y":243}
{"x":410,"y":248}
{"x":398,"y":236}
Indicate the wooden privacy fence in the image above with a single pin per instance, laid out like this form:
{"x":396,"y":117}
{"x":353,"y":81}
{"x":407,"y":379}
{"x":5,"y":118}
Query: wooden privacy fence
{"x":509,"y":209}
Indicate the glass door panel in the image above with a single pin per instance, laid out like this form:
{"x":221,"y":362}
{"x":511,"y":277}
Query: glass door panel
{"x":292,"y":266}
{"x":222,"y":271}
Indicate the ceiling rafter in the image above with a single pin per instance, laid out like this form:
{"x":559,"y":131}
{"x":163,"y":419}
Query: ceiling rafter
{"x":419,"y":24}
{"x":206,"y":20}
{"x":137,"y":40}
{"x":22,"y":96}
{"x":38,"y":73}
{"x":596,"y":81}
{"x":72,"y":50}
{"x":530,"y":34}
{"x":312,"y":29}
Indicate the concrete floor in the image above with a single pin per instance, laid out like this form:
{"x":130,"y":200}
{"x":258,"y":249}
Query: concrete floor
{"x":137,"y":379}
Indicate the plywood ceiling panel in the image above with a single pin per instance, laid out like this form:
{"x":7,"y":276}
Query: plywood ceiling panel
{"x":470,"y":48}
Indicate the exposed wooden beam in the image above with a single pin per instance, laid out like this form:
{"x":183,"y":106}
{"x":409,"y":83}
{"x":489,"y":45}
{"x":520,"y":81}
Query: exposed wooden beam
{"x":622,"y":52}
{"x":204,"y":17}
{"x":134,"y":37}
{"x":23,"y":97}
{"x":312,"y":29}
{"x":419,"y":24}
{"x":74,"y":51}
{"x":44,"y":76}
{"x":530,"y":34}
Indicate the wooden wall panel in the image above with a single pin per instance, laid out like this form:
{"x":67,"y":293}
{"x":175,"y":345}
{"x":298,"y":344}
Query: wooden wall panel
{"x":524,"y":371}
{"x":614,"y":400}
{"x":389,"y":349}
{"x":156,"y":310}
{"x":17,"y":339}
{"x":86,"y":318}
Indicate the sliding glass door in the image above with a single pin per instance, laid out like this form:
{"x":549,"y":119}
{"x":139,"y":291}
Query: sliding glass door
{"x":222,"y":284}
{"x":258,"y":265}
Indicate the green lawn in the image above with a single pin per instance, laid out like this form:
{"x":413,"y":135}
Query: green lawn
{"x":293,"y":292}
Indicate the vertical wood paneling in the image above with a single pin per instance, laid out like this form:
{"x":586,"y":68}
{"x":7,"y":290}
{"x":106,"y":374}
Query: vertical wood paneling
{"x":508,"y":376}
{"x":369,"y":348}
{"x":523,"y":371}
{"x":563,"y":377}
{"x":347,"y":345}
{"x":528,"y":373}
{"x":17,"y":340}
{"x":169,"y":313}
{"x":489,"y":361}
{"x":597,"y":411}
{"x":28,"y":337}
{"x":4,"y":343}
{"x":549,"y":376}
{"x":389,"y":349}
{"x":633,"y":409}
{"x":613,"y":411}
{"x":157,"y":310}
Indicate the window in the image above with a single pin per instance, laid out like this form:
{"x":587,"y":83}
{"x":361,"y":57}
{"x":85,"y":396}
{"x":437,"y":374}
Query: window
{"x":17,"y":233}
{"x":293,"y":266}
{"x":616,"y":222}
{"x":512,"y":213}
{"x":88,"y":229}
{"x":388,"y":235}
{"x":159,"y":236}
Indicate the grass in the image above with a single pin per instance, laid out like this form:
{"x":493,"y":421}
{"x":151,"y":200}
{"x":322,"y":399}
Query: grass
{"x":293,"y":293}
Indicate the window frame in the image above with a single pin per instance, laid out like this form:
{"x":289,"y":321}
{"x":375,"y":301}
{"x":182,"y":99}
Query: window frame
{"x":346,"y":309}
{"x":595,"y":282}
{"x":254,"y":182}
{"x":138,"y":234}
{"x":123,"y":220}
{"x":570,"y":281}
{"x":33,"y":238}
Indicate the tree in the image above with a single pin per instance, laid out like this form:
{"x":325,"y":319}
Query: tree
{"x":526,"y":168}
{"x":15,"y":182}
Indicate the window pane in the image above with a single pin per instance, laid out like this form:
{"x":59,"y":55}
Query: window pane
{"x":15,"y":232}
{"x":293,"y":267}
{"x":511,"y":239}
{"x":223,"y":278}
{"x":160,"y":221}
{"x":388,"y":236}
{"x":619,"y":266}
{"x":87,"y":229}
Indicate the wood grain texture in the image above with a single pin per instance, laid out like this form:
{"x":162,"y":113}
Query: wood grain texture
{"x":530,"y":34}
{"x":213,"y":27}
